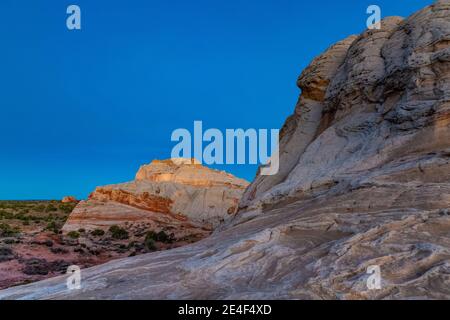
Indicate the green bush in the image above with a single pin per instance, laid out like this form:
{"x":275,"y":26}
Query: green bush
{"x":150,"y":244}
{"x":73,"y":235}
{"x":151,"y":235}
{"x":118,"y":233}
{"x":98,"y":233}
{"x":51,"y":208}
{"x":161,"y":236}
{"x":39,"y":208}
{"x":6,"y":215}
{"x":150,"y":240}
{"x":67,"y":207}
{"x":7,"y":231}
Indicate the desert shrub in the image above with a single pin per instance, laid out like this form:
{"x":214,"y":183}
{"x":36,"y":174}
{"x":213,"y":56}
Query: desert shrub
{"x":6,"y":215}
{"x":51,"y":208}
{"x":36,"y":266}
{"x":67,"y":207}
{"x":6,"y":254}
{"x":39,"y":208}
{"x":73,"y":235}
{"x":150,"y":244}
{"x":161,"y":236}
{"x":151,"y":235}
{"x":59,"y":250}
{"x":52,"y":226}
{"x":15,"y":205}
{"x":98,"y":233}
{"x":7,"y":231}
{"x":21,"y":216}
{"x":9,"y":241}
{"x":118,"y":233}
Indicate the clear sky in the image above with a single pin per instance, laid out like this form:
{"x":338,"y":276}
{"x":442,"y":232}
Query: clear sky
{"x":85,"y":108}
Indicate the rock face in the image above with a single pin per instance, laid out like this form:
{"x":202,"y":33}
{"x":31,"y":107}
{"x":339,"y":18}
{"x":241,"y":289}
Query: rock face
{"x":166,"y":194}
{"x":364,"y":181}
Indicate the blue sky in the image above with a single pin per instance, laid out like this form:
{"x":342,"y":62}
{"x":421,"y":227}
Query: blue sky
{"x":87,"y":108}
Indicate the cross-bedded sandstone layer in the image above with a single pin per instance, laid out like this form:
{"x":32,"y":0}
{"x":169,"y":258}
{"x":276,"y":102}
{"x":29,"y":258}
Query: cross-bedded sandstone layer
{"x":180,"y":196}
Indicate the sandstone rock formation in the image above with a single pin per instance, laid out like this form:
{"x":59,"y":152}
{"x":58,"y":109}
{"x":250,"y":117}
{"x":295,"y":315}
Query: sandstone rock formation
{"x":364,"y":180}
{"x":166,"y":194}
{"x":69,"y":199}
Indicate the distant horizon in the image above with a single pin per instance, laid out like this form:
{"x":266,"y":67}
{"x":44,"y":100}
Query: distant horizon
{"x":87,"y":108}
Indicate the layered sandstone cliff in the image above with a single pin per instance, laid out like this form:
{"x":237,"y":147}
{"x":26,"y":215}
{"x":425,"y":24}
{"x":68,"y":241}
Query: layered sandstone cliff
{"x":165,"y":194}
{"x":364,"y":180}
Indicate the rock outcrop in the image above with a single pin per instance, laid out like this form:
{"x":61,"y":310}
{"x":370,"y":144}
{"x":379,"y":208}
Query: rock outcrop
{"x":170,"y":194}
{"x":69,"y":199}
{"x":364,"y":181}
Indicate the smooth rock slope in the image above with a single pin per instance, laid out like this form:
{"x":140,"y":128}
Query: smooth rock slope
{"x":364,"y":180}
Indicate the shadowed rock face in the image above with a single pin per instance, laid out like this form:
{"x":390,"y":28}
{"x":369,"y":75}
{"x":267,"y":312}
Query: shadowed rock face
{"x":364,"y":180}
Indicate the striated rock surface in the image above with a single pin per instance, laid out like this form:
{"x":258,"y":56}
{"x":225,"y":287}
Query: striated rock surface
{"x":364,"y":181}
{"x":165,"y":194}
